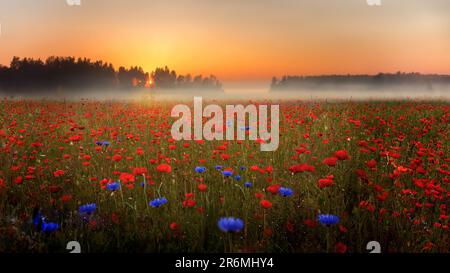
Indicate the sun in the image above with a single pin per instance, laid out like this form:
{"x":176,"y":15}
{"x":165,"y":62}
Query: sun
{"x":149,"y":83}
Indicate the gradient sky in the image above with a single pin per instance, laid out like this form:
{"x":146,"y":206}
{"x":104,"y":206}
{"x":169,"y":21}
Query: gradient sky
{"x":235,"y":39}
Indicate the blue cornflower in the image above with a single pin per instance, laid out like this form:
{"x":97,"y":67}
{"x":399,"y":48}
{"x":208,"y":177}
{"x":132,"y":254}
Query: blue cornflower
{"x":102,"y":143}
{"x":158,"y":202}
{"x":142,"y":184}
{"x":49,"y":227}
{"x":230,"y":224}
{"x":40,"y":222}
{"x":218,"y":167}
{"x":242,"y":168}
{"x":200,"y":169}
{"x":227,"y":173}
{"x":328,"y":219}
{"x":88,"y":208}
{"x":285,"y":192}
{"x":245,"y":128}
{"x":37,"y":219}
{"x":248,"y":184}
{"x":113,"y":186}
{"x":237,"y":177}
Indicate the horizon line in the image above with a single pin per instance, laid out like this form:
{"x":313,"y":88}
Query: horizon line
{"x":251,"y":79}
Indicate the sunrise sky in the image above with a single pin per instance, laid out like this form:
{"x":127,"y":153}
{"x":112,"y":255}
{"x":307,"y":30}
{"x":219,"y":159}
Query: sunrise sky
{"x":235,"y":39}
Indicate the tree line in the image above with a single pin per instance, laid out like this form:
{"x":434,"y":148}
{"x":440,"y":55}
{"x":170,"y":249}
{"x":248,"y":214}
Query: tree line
{"x":379,"y":81}
{"x":66,"y":73}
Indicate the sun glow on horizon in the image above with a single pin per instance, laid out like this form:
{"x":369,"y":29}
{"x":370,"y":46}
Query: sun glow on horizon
{"x":236,"y":41}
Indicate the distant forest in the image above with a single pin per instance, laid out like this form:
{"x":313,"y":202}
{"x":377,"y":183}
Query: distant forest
{"x":68,"y":73}
{"x":370,"y":82}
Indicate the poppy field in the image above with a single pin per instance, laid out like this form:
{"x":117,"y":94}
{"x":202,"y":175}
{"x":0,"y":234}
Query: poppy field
{"x":110,"y":176}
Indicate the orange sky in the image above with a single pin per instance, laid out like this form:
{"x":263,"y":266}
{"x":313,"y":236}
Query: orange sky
{"x":235,"y":39}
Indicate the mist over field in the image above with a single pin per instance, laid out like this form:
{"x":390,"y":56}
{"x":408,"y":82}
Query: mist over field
{"x":244,"y":93}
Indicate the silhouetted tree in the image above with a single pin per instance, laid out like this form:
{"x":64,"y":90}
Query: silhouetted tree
{"x":274,"y":82}
{"x":164,"y":78}
{"x":135,"y":77}
{"x":379,"y":81}
{"x":67,"y":73}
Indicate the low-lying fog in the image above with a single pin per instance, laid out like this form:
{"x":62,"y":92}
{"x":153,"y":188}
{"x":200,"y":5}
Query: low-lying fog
{"x":241,"y":92}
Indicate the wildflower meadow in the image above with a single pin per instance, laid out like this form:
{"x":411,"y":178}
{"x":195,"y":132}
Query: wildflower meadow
{"x":109,"y":175}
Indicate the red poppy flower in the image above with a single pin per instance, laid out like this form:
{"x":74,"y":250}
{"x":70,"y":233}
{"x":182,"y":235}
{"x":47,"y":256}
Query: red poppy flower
{"x":268,"y":232}
{"x":200,"y":210}
{"x":18,"y":180}
{"x":173,"y":226}
{"x":428,"y":246}
{"x":58,"y":173}
{"x":221,"y":148}
{"x":371,"y":163}
{"x":188,"y":203}
{"x":340,"y":247}
{"x":266,"y":204}
{"x":343,"y":229}
{"x":326,"y":182}
{"x":115,"y":218}
{"x":126,"y":177}
{"x":274,"y":189}
{"x":202,"y":187}
{"x":164,"y":168}
{"x":189,"y":195}
{"x":258,"y":195}
{"x":310,"y":223}
{"x":383,"y":196}
{"x":66,"y":198}
{"x":341,"y":155}
{"x":290,"y":227}
{"x":116,"y":157}
{"x":303,"y":167}
{"x":330,"y":161}
{"x":139,"y":171}
{"x":92,"y":224}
